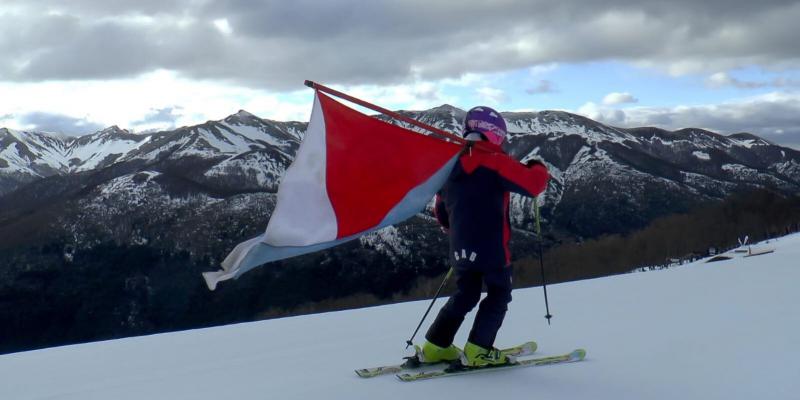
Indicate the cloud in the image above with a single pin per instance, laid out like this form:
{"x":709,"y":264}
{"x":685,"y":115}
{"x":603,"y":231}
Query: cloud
{"x":544,"y":86}
{"x":125,"y":102}
{"x":724,"y":79}
{"x":542,"y":69}
{"x":492,"y":95}
{"x":164,"y":118}
{"x":58,"y":123}
{"x":276,"y":44}
{"x":224,"y":26}
{"x":619,"y":98}
{"x":775,"y":116}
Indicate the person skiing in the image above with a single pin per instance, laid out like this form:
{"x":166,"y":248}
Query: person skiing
{"x":472,"y":207}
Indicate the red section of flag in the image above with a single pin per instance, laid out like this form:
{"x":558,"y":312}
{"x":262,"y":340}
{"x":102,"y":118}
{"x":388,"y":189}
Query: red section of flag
{"x":372,"y":165}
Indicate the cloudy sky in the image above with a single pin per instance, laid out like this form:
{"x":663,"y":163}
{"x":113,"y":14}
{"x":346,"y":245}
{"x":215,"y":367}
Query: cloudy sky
{"x":726,"y":65}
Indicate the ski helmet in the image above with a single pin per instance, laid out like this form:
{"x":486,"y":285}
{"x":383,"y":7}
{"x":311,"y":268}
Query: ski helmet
{"x":488,"y":122}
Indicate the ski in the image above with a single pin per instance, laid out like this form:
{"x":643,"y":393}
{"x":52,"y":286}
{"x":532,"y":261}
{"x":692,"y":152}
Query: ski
{"x":413,"y":362}
{"x":575,"y":355}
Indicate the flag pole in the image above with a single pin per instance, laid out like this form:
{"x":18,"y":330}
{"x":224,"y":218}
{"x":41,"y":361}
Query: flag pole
{"x":432,"y":129}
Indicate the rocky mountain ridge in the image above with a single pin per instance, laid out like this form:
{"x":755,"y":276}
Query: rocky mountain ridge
{"x":106,"y":235}
{"x":244,"y":154}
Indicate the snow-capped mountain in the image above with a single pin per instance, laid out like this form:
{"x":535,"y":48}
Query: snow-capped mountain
{"x":639,"y":173}
{"x":128,"y":220}
{"x":242,"y":143}
{"x":607,"y":179}
{"x":27,"y":156}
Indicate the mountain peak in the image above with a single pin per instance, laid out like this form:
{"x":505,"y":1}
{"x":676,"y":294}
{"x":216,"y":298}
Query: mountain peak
{"x":244,"y":114}
{"x":242,"y":117}
{"x":744,"y":136}
{"x":113,"y":132}
{"x":446,"y":107}
{"x":113,"y":129}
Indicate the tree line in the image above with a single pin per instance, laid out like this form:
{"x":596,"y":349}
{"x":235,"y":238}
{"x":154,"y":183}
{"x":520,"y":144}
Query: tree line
{"x":759,"y":214}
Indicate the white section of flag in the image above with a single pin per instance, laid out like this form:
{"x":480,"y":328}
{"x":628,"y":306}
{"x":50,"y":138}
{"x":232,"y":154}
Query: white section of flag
{"x":304,"y":215}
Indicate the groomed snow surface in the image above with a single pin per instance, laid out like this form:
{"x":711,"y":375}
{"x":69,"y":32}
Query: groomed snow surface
{"x":723,"y":330}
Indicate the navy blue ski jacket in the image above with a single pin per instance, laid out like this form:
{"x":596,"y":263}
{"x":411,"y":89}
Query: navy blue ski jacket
{"x":473,"y":204}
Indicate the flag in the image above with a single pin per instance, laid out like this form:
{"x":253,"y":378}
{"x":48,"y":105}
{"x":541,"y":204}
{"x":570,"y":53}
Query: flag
{"x":353,"y":174}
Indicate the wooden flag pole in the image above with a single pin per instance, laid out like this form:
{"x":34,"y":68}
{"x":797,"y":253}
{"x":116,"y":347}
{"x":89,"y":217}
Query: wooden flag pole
{"x":432,"y":129}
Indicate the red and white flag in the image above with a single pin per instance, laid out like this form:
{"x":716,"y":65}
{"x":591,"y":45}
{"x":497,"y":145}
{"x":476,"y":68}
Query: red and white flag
{"x":353,"y":174}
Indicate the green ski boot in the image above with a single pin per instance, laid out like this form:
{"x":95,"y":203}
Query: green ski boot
{"x":431,"y":353}
{"x":477,"y":356}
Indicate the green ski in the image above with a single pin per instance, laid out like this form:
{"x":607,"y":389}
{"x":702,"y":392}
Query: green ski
{"x":575,"y":355}
{"x":413,"y":362}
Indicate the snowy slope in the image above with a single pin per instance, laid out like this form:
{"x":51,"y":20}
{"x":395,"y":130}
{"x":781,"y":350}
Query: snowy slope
{"x":102,"y":148}
{"x":31,"y":153}
{"x":724,"y":330}
{"x":43,"y":154}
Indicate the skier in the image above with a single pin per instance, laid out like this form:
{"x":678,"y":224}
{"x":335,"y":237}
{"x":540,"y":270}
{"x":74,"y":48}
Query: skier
{"x":472,"y":207}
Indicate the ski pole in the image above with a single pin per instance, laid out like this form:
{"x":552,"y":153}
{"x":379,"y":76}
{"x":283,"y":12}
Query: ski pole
{"x":541,"y":257}
{"x":410,"y":342}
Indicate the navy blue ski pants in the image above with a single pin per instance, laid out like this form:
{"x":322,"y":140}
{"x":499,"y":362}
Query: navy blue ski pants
{"x":492,"y":311}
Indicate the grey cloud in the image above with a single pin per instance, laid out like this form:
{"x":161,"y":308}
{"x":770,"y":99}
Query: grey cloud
{"x":788,"y":139}
{"x":619,"y":98}
{"x":67,"y":48}
{"x":49,"y":122}
{"x":544,"y":86}
{"x":277,"y":44}
{"x":102,"y":51}
{"x":775,"y":117}
{"x":722,"y":79}
{"x":166,"y":115}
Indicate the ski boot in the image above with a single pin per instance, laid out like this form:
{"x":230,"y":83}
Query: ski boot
{"x":477,"y":356}
{"x":430,"y":353}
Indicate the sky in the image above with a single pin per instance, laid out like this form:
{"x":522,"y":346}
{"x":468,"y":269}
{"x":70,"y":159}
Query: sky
{"x":79,"y":66}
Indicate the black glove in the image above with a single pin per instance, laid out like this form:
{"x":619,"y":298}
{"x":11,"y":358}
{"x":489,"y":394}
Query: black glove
{"x":532,"y":162}
{"x":467,"y":149}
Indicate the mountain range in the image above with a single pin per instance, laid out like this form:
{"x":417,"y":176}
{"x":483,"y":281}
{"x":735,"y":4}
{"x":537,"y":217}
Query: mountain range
{"x":604,"y":179}
{"x":244,"y":153}
{"x":172,"y":204}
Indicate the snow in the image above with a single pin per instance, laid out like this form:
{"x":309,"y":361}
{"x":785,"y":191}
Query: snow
{"x":46,"y":150}
{"x":750,"y":174}
{"x":749,"y":143}
{"x":593,"y":135}
{"x":588,"y":160}
{"x":254,"y":134}
{"x":789,"y":167}
{"x":229,"y":140}
{"x":694,"y":181}
{"x":70,"y":155}
{"x":125,"y":184}
{"x":264,"y":171}
{"x":94,"y":152}
{"x":136,"y":190}
{"x":16,"y":163}
{"x":387,"y":240}
{"x":724,"y":330}
{"x":57,"y":153}
{"x":701,"y":155}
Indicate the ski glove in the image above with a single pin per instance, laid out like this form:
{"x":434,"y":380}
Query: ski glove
{"x":532,"y":162}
